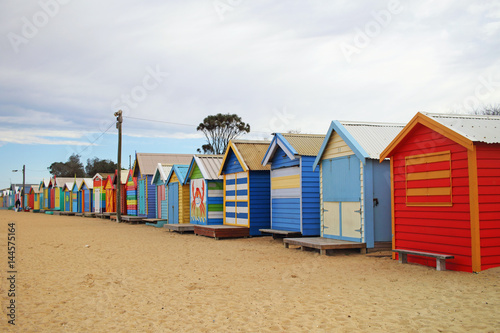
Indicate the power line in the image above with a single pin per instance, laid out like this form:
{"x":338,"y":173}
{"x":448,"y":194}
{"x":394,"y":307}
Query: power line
{"x":159,"y":121}
{"x":100,"y":136}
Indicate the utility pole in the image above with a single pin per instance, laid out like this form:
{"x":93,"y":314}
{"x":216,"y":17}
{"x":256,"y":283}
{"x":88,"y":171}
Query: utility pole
{"x":119,"y":121}
{"x":23,"y":205}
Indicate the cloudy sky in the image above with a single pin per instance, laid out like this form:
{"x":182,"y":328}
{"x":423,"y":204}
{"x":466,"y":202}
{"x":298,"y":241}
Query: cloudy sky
{"x":67,"y":65}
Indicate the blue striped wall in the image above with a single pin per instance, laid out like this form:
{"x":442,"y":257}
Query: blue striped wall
{"x":286,"y":214}
{"x":260,"y":201}
{"x":232,"y":165}
{"x":311,"y":215}
{"x":215,"y":201}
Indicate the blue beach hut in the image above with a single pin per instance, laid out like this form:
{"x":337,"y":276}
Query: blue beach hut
{"x":355,"y":187}
{"x":295,"y":195}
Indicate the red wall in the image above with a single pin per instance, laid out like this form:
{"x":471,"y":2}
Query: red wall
{"x":488,"y":165}
{"x":433,"y":229}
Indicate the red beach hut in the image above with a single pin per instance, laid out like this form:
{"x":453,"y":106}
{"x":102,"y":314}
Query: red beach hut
{"x":445,"y":184}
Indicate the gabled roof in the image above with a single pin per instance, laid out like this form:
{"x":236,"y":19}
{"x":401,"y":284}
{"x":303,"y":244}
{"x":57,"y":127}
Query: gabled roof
{"x":463,"y":129}
{"x":44,"y":183}
{"x":209,"y":166}
{"x":102,"y":175}
{"x":180,"y":171}
{"x":294,"y":145}
{"x":78,"y":183}
{"x":147,"y":162}
{"x":68,"y":185}
{"x":60,"y":181}
{"x":161,"y":173}
{"x":123,"y":176}
{"x":249,"y":153}
{"x":366,"y":139}
{"x":35,"y":188}
{"x":89,"y":182}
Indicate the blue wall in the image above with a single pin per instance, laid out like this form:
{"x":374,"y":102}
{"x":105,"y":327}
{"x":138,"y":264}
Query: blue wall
{"x":382,"y":191}
{"x":286,"y":214}
{"x":311,"y":215}
{"x":260,"y":201}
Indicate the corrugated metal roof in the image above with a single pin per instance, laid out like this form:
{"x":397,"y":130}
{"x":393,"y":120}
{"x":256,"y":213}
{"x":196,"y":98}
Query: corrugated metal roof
{"x":305,"y":144}
{"x":89,"y":182}
{"x":209,"y":165}
{"x":371,"y":136}
{"x":60,"y":181}
{"x":252,"y":152}
{"x":148,"y":162}
{"x":474,"y":127}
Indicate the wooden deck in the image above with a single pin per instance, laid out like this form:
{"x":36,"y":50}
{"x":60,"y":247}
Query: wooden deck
{"x":180,"y":228}
{"x":107,"y":215}
{"x":89,"y":214}
{"x":221,"y":231}
{"x":323,"y":244}
{"x":79,"y":214}
{"x":132,"y":219}
{"x":67,"y":213}
{"x":158,"y":223}
{"x":281,"y":233}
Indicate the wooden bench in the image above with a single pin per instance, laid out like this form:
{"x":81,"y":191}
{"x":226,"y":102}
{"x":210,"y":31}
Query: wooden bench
{"x":440,"y":258}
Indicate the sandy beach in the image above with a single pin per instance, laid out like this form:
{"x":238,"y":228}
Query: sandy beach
{"x":79,"y":274}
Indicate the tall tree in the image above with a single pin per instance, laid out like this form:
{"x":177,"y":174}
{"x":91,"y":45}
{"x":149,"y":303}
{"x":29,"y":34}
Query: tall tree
{"x":73,"y":167}
{"x":219,"y":129}
{"x":97,"y":165}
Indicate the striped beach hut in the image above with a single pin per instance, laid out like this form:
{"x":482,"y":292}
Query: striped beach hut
{"x":295,"y":199}
{"x":159,"y":178}
{"x":206,"y":190}
{"x":247,"y":185}
{"x":131,"y":194}
{"x":446,"y":189}
{"x":31,"y":196}
{"x":178,"y":195}
{"x":355,"y":187}
{"x":145,"y":165}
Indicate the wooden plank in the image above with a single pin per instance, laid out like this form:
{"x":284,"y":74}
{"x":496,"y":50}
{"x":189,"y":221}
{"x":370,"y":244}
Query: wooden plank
{"x":221,"y":231}
{"x":324,"y":244}
{"x":285,"y":233}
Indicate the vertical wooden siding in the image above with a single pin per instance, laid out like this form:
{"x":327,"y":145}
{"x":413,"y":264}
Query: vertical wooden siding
{"x":260,"y":200}
{"x":310,"y":183}
{"x":488,"y":164}
{"x":427,"y":228}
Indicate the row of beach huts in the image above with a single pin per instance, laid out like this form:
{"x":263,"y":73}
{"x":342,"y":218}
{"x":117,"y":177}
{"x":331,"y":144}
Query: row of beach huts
{"x":429,"y":190}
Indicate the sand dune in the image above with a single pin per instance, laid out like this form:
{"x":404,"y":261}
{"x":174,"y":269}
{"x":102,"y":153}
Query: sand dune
{"x":89,"y":275}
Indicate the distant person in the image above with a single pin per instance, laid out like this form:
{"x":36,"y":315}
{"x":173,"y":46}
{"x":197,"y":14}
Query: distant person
{"x":18,"y":204}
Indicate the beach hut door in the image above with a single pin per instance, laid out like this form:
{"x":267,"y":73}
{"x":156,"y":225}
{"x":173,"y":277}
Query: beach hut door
{"x":97,"y":200}
{"x":142,"y":197}
{"x":341,"y":206}
{"x":173,"y":203}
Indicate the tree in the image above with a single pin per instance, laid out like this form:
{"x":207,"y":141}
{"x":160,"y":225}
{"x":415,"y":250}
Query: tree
{"x":72,"y":168}
{"x":219,"y":129}
{"x":488,"y":110}
{"x":97,"y":165}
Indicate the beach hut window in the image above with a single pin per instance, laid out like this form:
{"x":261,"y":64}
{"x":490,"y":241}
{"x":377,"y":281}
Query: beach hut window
{"x":428,"y":179}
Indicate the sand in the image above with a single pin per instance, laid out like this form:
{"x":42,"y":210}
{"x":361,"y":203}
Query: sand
{"x":78,"y":274}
